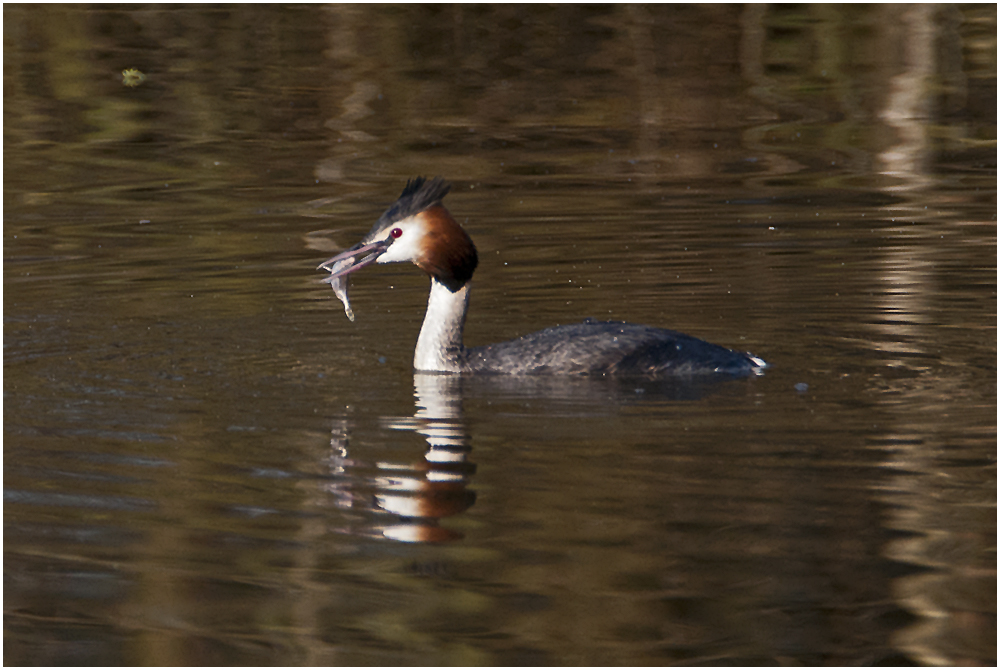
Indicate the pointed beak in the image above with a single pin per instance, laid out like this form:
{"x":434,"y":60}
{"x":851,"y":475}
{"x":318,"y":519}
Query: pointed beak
{"x":355,"y":258}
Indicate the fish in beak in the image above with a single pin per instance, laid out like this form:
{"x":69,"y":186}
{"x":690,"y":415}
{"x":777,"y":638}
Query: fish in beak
{"x":352,"y":260}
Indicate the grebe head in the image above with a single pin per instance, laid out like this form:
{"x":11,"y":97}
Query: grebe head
{"x":419,"y":229}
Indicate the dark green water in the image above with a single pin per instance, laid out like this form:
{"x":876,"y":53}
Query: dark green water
{"x":206,"y":463}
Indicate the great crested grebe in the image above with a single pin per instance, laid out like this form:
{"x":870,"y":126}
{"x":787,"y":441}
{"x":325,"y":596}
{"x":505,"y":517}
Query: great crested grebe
{"x":418,"y":228}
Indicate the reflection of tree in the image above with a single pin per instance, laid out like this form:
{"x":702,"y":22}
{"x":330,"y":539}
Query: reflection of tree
{"x":478,"y":81}
{"x":952,"y":628}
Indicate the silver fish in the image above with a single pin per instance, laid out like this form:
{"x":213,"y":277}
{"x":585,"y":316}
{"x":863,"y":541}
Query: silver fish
{"x":355,"y":258}
{"x":339,"y":281}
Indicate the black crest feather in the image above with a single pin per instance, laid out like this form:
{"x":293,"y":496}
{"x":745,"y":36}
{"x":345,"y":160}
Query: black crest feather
{"x":418,"y":195}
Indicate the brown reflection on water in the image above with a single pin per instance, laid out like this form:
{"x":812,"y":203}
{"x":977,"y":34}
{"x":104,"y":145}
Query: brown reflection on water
{"x":931,"y":462}
{"x":814,"y":183}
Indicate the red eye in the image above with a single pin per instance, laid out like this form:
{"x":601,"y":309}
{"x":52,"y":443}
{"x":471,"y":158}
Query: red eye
{"x":396,"y":233}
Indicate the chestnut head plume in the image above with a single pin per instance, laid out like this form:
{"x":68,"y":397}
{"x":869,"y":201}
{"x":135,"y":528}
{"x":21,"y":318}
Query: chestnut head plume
{"x":419,"y":229}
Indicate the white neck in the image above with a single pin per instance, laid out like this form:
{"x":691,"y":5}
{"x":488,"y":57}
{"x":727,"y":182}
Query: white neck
{"x":439,"y":346}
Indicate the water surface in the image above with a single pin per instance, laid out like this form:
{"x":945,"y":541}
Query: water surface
{"x":205,"y":462}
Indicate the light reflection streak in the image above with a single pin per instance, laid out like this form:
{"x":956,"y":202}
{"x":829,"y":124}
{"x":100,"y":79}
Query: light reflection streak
{"x":416,"y":495}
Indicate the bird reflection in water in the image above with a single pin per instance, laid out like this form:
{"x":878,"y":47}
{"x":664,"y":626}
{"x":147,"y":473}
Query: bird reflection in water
{"x":418,"y":495}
